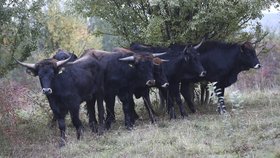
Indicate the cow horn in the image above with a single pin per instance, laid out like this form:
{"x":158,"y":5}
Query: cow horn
{"x":59,"y":63}
{"x":28,"y":65}
{"x":130,"y":58}
{"x":197,"y":46}
{"x":158,"y":54}
{"x":163,"y":60}
{"x":187,"y":46}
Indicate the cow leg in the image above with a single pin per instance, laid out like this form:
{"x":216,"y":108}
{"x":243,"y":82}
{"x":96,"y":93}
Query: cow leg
{"x":100,"y":114}
{"x":59,"y":114}
{"x":202,"y":92}
{"x":162,"y":98}
{"x":127,"y":108}
{"x":169,"y":102}
{"x":74,"y":112}
{"x":219,"y":90}
{"x":185,"y":91}
{"x":176,"y":95}
{"x":134,"y":116}
{"x":207,"y":93}
{"x":91,"y":114}
{"x":110,"y":104}
{"x":148,"y":105}
{"x":61,"y":125}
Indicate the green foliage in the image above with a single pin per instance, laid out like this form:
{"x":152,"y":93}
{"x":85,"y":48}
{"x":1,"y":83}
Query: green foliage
{"x":26,"y":26}
{"x":165,"y":22}
{"x":19,"y":30}
{"x":67,"y":30}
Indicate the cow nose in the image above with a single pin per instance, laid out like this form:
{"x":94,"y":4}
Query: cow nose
{"x":47,"y":91}
{"x":257,"y":66}
{"x":202,"y":74}
{"x":165,"y":85}
{"x":150,"y":82}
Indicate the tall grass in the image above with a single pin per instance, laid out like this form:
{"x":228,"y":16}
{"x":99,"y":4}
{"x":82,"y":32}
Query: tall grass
{"x":251,"y":131}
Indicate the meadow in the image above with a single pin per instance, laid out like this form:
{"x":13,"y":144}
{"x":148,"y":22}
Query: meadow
{"x":251,"y":128}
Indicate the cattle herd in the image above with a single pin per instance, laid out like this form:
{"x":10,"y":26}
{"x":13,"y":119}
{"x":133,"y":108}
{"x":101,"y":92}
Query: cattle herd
{"x":100,"y":76}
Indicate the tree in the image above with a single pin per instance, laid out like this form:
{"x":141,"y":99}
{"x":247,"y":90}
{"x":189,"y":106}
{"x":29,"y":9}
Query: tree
{"x":163,"y":22}
{"x":18,"y":30}
{"x":42,"y":26}
{"x":67,"y":30}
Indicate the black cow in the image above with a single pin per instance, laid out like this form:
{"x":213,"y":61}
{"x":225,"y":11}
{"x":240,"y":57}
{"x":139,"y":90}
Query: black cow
{"x":223,"y":62}
{"x":124,"y":71}
{"x":63,"y":54}
{"x":144,"y":92}
{"x":161,"y":82}
{"x":66,"y":85}
{"x":183,"y":61}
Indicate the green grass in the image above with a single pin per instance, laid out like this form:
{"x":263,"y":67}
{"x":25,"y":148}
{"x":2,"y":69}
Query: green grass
{"x":253,"y":130}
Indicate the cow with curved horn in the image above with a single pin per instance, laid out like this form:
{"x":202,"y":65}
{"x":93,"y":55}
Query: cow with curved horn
{"x":143,"y":91}
{"x":223,"y":62}
{"x":182,"y":61}
{"x":124,"y":72}
{"x":67,"y":84}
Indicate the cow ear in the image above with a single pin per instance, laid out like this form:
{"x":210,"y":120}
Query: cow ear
{"x":157,"y":61}
{"x":31,"y":72}
{"x":245,"y":46}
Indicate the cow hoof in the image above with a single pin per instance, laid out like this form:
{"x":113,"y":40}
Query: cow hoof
{"x":184,"y":116}
{"x":79,"y":133}
{"x":129,"y":128}
{"x":172,"y":116}
{"x":222,"y":110}
{"x":154,"y":120}
{"x":93,"y":127}
{"x":62,"y":142}
{"x":101,"y":130}
{"x":193,"y":110}
{"x":108,"y":125}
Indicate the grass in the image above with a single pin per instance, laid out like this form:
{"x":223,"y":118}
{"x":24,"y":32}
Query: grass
{"x":251,"y":130}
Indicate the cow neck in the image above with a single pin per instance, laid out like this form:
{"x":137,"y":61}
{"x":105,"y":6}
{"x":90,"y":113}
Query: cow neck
{"x":237,"y":68}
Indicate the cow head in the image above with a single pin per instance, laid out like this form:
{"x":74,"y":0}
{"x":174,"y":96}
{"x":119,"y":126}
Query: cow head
{"x":46,"y":70}
{"x":192,"y":59}
{"x":159,"y":74}
{"x":248,"y":56}
{"x":143,"y":63}
{"x":62,"y":55}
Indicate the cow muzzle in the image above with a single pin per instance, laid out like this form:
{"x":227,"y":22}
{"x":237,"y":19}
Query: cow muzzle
{"x":47,"y":91}
{"x":257,"y":66}
{"x":202,"y":74}
{"x":165,"y":85}
{"x":151,"y":83}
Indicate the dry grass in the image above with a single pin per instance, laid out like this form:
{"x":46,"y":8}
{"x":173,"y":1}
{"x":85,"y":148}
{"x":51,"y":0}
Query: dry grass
{"x":252,"y":130}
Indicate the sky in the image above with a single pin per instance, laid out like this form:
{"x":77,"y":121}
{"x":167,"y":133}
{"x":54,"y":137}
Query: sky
{"x":271,"y":19}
